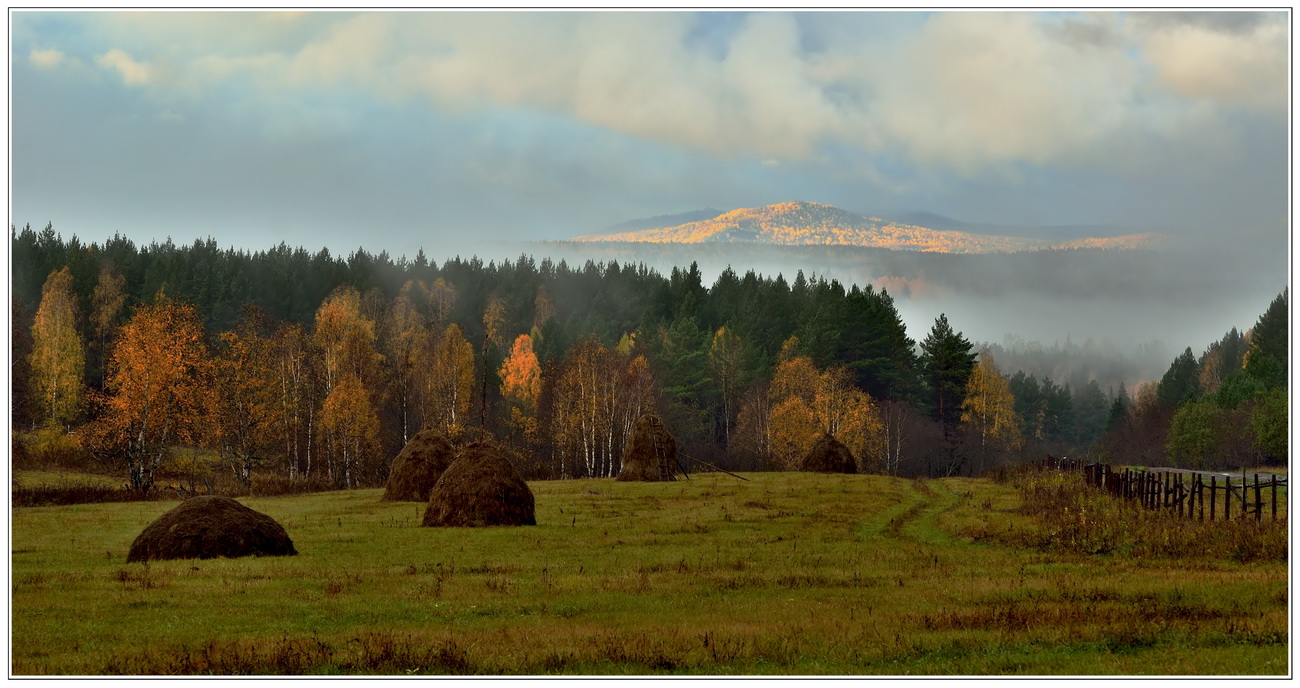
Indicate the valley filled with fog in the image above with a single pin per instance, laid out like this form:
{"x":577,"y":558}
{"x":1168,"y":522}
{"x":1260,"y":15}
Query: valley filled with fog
{"x":1139,"y":309}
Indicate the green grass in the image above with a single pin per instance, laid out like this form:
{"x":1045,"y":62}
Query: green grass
{"x":787,"y":573}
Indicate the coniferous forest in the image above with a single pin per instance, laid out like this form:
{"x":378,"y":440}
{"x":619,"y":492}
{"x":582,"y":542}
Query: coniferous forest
{"x":182,"y":362}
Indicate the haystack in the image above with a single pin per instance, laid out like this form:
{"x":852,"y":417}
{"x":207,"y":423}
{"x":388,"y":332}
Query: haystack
{"x":418,"y":466}
{"x":207,"y":527}
{"x":480,"y":488}
{"x":640,"y":461}
{"x":828,"y":455}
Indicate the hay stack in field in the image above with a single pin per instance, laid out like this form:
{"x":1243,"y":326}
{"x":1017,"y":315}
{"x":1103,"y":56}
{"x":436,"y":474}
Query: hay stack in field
{"x":640,"y":461}
{"x":829,"y":456}
{"x":208,"y":527}
{"x":418,"y":466}
{"x":480,"y":488}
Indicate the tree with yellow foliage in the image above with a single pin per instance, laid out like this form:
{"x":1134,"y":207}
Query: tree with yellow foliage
{"x":988,"y":409}
{"x":58,"y":358}
{"x":350,"y":428}
{"x":246,"y":407}
{"x":450,"y":382}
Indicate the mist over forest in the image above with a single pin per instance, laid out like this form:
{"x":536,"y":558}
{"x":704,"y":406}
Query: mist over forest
{"x":1137,"y":308}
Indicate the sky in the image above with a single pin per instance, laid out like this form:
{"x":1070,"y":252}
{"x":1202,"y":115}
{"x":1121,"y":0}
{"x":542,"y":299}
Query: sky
{"x":400,"y":130}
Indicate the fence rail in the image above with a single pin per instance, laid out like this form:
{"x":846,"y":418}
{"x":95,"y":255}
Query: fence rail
{"x":1187,"y":492}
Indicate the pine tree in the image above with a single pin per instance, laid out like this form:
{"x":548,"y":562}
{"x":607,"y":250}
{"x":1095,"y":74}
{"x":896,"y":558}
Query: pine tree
{"x":947,"y":361}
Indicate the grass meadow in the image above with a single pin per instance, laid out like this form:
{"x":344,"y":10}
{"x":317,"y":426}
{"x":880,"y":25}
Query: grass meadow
{"x":783,"y":574}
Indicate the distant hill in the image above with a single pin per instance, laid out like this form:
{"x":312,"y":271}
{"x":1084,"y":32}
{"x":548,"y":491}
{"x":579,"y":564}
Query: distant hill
{"x":799,"y":223}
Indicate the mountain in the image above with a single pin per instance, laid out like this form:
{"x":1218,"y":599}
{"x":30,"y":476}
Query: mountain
{"x":799,"y":223}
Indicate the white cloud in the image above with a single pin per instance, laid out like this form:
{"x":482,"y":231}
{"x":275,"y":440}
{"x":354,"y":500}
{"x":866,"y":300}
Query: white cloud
{"x":1232,"y":66}
{"x":133,"y":73}
{"x":46,"y":59}
{"x":969,"y":91}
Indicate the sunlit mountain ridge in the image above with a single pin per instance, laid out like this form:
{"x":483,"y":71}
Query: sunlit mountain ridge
{"x":800,"y":223}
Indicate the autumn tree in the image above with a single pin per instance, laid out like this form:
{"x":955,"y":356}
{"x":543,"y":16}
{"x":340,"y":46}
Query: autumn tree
{"x":521,"y":387}
{"x":450,"y":382}
{"x":793,"y":428}
{"x":753,"y":427}
{"x":850,"y":415}
{"x":584,"y":416}
{"x":58,"y":358}
{"x":248,"y":395}
{"x":988,"y":408}
{"x":345,"y":339}
{"x":405,"y":336}
{"x":494,"y":315}
{"x":160,"y":388}
{"x":106,"y":302}
{"x":726,"y":363}
{"x":350,"y":428}
{"x":295,"y":407}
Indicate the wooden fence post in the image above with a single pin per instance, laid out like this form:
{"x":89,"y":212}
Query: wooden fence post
{"x":1214,"y":491}
{"x":1227,"y":498}
{"x":1274,"y":481}
{"x":1259,"y":504}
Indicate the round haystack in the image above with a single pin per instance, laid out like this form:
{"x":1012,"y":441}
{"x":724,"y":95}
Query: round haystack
{"x":208,"y":527}
{"x":418,"y":466}
{"x":640,"y":460}
{"x":829,"y":456}
{"x":480,"y":488}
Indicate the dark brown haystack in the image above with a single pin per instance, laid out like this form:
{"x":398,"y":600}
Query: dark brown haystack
{"x":829,"y":456}
{"x":207,"y":527}
{"x":480,"y":488}
{"x":640,"y":461}
{"x":418,"y":466}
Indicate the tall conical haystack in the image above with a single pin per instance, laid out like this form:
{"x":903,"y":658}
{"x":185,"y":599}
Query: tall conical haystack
{"x":418,"y":466}
{"x":480,"y":488}
{"x":640,"y":461}
{"x":828,"y":455}
{"x":208,"y":527}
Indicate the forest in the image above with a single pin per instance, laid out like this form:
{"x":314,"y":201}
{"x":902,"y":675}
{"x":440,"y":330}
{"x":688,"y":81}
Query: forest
{"x":166,"y":360}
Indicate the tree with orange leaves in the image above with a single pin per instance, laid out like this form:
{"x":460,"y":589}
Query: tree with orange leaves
{"x":521,"y":374}
{"x":521,"y":387}
{"x":160,"y":389}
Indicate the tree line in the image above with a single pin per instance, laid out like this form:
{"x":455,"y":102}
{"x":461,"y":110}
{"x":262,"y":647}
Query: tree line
{"x":315,"y":366}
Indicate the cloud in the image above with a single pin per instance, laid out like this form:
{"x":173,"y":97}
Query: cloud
{"x":1233,"y":59}
{"x":133,"y":73}
{"x":46,"y":59}
{"x":971,"y":91}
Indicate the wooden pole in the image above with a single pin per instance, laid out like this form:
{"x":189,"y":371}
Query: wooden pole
{"x":1214,"y":490}
{"x":1227,"y":498}
{"x":1259,"y":504}
{"x":1274,"y":481}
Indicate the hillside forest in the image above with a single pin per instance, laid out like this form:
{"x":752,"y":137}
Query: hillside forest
{"x":187,"y":360}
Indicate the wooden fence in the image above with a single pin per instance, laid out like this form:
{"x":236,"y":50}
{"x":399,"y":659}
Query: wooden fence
{"x":1193,"y":495}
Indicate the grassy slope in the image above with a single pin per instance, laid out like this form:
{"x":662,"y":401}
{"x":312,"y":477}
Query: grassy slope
{"x":786,"y":573}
